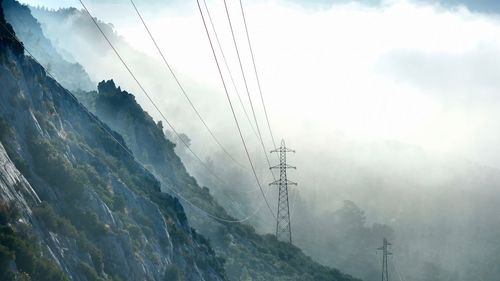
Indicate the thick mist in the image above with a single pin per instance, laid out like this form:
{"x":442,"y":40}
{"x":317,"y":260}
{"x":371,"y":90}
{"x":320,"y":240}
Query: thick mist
{"x":392,"y":107}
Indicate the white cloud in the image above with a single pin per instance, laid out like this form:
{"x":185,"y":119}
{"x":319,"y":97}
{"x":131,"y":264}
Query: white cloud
{"x":336,"y":81}
{"x":370,"y":72}
{"x":321,"y":72}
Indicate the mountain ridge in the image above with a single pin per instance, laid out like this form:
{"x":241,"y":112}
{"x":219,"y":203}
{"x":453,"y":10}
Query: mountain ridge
{"x":246,"y":253}
{"x":101,"y":214}
{"x":95,"y":218}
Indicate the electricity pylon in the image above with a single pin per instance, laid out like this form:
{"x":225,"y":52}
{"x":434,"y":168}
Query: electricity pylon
{"x":283,"y":226}
{"x":385,"y":254}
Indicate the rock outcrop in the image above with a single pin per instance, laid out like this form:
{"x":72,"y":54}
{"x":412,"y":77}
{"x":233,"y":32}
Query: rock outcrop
{"x":94,"y":211}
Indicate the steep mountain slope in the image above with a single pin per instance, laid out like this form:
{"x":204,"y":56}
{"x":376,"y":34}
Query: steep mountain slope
{"x":244,"y":250}
{"x":248,"y":256}
{"x":17,"y":241}
{"x":70,"y":74}
{"x":72,"y":31}
{"x":84,"y":208}
{"x":102,"y":216}
{"x":441,"y":212}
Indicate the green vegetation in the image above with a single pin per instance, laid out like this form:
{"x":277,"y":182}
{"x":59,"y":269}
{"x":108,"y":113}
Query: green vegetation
{"x":172,"y":273}
{"x":7,"y":213}
{"x":97,"y":256}
{"x":63,"y":226}
{"x":7,"y":138}
{"x":76,"y":166}
{"x":23,"y":252}
{"x":259,"y":257}
{"x":53,"y":222}
{"x":5,"y":129}
{"x":246,"y":254}
{"x":89,"y":272}
{"x":56,"y":169}
{"x":90,"y":223}
{"x":119,"y":203}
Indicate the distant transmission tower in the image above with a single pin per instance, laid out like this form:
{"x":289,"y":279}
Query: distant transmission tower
{"x":385,"y":254}
{"x":283,"y":226}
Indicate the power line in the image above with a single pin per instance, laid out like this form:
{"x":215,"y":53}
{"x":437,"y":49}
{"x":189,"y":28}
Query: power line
{"x":232,"y":109}
{"x":259,"y":136}
{"x":147,"y":95}
{"x":217,"y":40}
{"x":182,"y":88}
{"x":256,"y":74}
{"x":292,"y":206}
{"x":170,"y":125}
{"x":105,"y":130}
{"x":180,"y":85}
{"x":397,"y":269}
{"x":234,"y":85}
{"x":227,"y":66}
{"x":246,"y":85}
{"x":163,"y":116}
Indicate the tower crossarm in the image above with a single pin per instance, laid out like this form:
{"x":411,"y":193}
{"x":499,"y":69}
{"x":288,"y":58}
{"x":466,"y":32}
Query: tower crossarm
{"x":282,"y":149}
{"x":279,"y":182}
{"x":281,"y":166}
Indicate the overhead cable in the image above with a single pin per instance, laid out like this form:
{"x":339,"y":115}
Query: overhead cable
{"x":183,"y":91}
{"x":232,"y":109}
{"x":148,"y":96}
{"x":246,"y":85}
{"x":217,"y":40}
{"x":257,"y":75}
{"x":107,"y":131}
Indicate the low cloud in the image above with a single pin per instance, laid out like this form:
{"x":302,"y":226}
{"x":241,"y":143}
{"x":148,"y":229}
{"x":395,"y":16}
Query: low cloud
{"x":383,"y":103}
{"x":472,"y":77}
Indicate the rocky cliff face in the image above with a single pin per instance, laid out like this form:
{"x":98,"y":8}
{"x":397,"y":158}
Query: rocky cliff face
{"x":248,"y":255}
{"x":94,"y":212}
{"x":99,"y":214}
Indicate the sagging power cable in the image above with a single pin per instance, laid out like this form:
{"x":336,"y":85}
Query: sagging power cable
{"x":232,"y":109}
{"x":148,"y":96}
{"x":217,"y":40}
{"x":256,"y":74}
{"x":182,"y":89}
{"x":106,"y":130}
{"x":246,"y":87}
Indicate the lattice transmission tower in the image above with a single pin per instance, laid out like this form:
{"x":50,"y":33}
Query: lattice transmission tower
{"x":385,"y":254}
{"x":283,"y":226}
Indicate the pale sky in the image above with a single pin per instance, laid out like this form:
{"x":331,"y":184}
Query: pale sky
{"x":412,"y":71}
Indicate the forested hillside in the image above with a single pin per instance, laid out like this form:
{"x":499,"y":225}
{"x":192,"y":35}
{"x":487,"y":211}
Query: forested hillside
{"x":75,"y":203}
{"x":85,"y":199}
{"x":247,"y":254}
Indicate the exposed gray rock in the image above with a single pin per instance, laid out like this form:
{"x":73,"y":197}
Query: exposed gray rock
{"x":94,"y":210}
{"x":14,"y":187}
